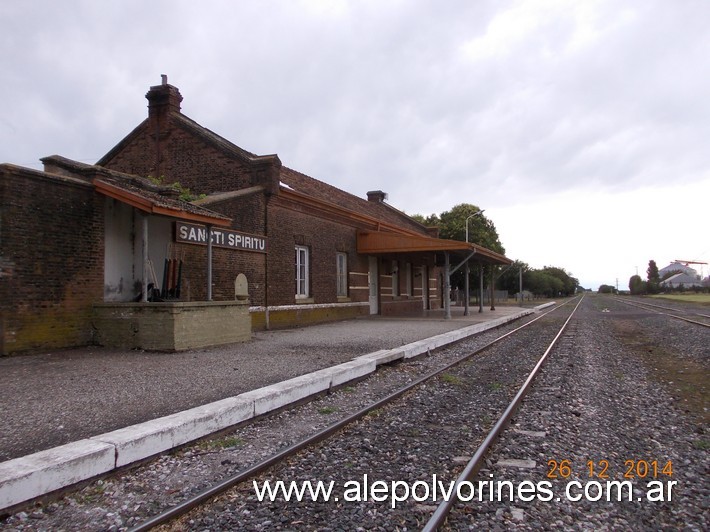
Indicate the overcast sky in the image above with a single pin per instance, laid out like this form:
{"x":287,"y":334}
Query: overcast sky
{"x":581,"y":127}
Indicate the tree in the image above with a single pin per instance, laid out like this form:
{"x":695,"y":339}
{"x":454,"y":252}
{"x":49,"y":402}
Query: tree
{"x":509,"y":278}
{"x":568,"y":283}
{"x":654,"y":281}
{"x":542,"y":283}
{"x":636,"y":285}
{"x":452,"y":226}
{"x":607,"y":289}
{"x":430,"y":221}
{"x":481,"y":230}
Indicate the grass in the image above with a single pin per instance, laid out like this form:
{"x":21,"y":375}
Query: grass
{"x":496,"y":386}
{"x":686,"y":378}
{"x":92,"y":493}
{"x":703,"y":299}
{"x":327,"y":410}
{"x":223,"y":443}
{"x":451,"y":379}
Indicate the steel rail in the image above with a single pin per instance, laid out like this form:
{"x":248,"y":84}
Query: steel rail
{"x":690,"y":311}
{"x":474,"y":465}
{"x":239,"y":477}
{"x":646,"y":306}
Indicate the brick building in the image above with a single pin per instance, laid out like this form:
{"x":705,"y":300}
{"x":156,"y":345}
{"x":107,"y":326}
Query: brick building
{"x":77,"y":238}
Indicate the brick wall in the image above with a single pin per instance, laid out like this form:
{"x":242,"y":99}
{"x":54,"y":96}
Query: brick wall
{"x":323,"y":238}
{"x":52,"y":249}
{"x":248,"y":217}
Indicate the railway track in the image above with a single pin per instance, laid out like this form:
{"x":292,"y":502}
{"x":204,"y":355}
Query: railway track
{"x":425,"y":415}
{"x":596,"y":424}
{"x":688,"y":315}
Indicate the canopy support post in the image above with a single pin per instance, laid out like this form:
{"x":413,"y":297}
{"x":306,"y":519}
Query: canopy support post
{"x":480,"y":288}
{"x":447,"y":286}
{"x":493,"y":288}
{"x":467,"y":272}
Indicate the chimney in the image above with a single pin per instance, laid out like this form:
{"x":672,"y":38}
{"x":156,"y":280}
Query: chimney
{"x":376,"y":196}
{"x":163,"y":99}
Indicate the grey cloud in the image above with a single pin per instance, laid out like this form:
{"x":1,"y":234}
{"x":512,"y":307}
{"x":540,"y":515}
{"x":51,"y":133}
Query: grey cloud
{"x":374,"y":92}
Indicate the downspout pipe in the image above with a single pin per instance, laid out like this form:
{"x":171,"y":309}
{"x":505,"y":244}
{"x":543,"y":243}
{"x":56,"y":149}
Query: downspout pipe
{"x":267,"y":323}
{"x":209,"y":263}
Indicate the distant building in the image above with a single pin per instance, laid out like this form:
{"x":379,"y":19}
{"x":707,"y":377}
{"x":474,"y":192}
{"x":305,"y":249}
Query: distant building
{"x":682,"y":279}
{"x":677,"y":267}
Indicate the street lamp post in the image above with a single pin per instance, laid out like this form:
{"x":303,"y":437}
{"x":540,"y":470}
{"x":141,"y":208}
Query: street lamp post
{"x":469,"y":217}
{"x":467,"y":272}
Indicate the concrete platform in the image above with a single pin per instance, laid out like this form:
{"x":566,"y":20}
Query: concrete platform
{"x":183,"y":397}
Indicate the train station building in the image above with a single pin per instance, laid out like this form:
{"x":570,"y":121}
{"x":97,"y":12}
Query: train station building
{"x":177,"y":238}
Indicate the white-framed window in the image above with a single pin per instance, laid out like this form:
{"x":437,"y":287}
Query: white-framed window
{"x":341,"y":274}
{"x":395,"y":278}
{"x":302,"y":267}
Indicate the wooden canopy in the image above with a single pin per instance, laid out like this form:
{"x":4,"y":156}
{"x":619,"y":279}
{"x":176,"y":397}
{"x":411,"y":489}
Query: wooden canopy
{"x":381,"y":242}
{"x":153,"y":203}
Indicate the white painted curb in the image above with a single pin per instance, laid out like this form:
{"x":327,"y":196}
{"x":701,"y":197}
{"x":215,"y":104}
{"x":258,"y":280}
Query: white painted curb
{"x":39,"y":473}
{"x":545,"y":305}
{"x":157,"y":435}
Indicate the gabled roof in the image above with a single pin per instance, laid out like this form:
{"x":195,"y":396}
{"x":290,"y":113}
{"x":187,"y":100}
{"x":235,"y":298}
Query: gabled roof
{"x":122,"y":144}
{"x":677,"y":267}
{"x":219,"y":142}
{"x":136,"y":191}
{"x":289,"y":178}
{"x":210,"y":137}
{"x":310,"y":186}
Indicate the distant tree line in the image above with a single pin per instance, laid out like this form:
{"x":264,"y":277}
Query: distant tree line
{"x":549,"y":281}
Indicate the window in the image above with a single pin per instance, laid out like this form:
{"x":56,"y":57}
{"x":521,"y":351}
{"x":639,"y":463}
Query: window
{"x":301,"y":272}
{"x":341,"y":260}
{"x":395,"y":278}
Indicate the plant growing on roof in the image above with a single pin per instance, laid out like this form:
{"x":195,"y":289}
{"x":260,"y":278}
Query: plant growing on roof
{"x":185,"y":194}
